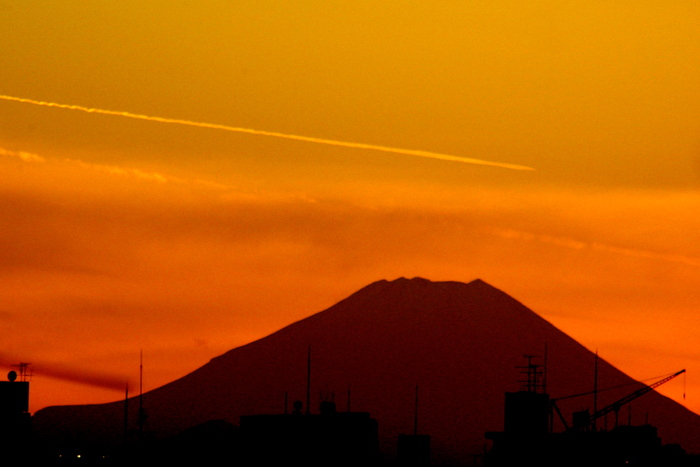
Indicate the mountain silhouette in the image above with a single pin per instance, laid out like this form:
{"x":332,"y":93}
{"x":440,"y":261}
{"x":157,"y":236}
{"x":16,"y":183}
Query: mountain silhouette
{"x":459,"y":343}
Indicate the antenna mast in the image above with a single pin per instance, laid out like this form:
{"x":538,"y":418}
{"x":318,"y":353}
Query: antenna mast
{"x":535,"y":378}
{"x":308,"y":381}
{"x":415,"y":414}
{"x":142,"y":413}
{"x":24,"y":372}
{"x":595,"y":391}
{"x":126,"y":414}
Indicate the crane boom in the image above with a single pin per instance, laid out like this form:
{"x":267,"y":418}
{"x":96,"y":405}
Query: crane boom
{"x":615,"y":406}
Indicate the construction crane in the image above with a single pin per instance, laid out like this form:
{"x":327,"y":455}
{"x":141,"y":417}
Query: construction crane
{"x":615,"y":406}
{"x":583,"y":420}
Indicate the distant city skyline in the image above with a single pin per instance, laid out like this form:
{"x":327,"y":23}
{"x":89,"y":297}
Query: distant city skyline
{"x":466,"y":346}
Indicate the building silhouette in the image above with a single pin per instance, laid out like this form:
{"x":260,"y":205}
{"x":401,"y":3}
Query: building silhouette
{"x":527,"y":437}
{"x":15,"y":419}
{"x":328,"y":438}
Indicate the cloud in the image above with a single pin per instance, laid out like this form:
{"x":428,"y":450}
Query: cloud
{"x":25,"y":156}
{"x":120,"y":258}
{"x":116,"y":170}
{"x":596,"y":246}
{"x":125,"y":171}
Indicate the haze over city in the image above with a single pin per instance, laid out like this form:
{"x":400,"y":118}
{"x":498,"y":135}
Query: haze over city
{"x":123,"y":235}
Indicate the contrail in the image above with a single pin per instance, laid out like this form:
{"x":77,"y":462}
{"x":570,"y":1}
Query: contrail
{"x":308,"y":139}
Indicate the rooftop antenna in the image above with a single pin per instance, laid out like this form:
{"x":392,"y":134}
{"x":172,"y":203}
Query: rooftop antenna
{"x":535,"y":378}
{"x":595,"y":391}
{"x":142,"y":414}
{"x":544,"y":376}
{"x":308,"y":381}
{"x":126,"y":414}
{"x":24,"y":372}
{"x":415,"y":413}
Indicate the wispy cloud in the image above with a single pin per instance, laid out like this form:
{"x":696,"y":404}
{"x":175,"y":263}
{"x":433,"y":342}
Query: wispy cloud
{"x":116,"y":170}
{"x":307,"y":139}
{"x":125,"y":171}
{"x":575,"y":244}
{"x":25,"y":156}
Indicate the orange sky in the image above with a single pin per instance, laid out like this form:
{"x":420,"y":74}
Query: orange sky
{"x":121,"y":234}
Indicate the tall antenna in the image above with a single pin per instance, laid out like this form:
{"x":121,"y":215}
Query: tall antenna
{"x":126,"y":414}
{"x":544,"y":376}
{"x":595,"y":390}
{"x":415,"y":413}
{"x":142,"y":414}
{"x":308,"y":381}
{"x":141,"y":380}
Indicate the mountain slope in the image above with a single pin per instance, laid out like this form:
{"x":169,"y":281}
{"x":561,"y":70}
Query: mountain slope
{"x":460,"y":343}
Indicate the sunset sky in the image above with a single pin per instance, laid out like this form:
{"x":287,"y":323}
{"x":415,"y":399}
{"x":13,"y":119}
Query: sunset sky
{"x":119,"y":234}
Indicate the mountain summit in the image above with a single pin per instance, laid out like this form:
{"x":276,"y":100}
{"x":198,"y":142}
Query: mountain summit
{"x":459,"y":343}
